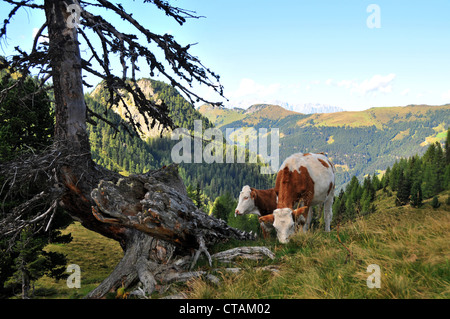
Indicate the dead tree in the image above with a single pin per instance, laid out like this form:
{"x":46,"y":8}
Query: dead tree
{"x":157,"y":225}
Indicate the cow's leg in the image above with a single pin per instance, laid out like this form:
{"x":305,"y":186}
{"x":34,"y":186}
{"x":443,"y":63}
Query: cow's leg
{"x":265,"y":230}
{"x":328,"y":211}
{"x":308,"y":220}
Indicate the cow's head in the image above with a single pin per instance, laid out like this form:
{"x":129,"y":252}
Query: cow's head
{"x":246,"y":203}
{"x":284,"y":219}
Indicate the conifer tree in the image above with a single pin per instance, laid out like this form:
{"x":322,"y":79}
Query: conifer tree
{"x":416,"y":195}
{"x":435,"y":202}
{"x":403,"y":189}
{"x":447,"y":148}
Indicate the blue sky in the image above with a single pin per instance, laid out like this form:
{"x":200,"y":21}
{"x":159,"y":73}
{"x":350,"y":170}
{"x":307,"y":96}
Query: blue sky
{"x":307,"y":51}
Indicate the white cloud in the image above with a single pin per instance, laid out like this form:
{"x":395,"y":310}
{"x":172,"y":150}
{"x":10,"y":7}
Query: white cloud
{"x":248,"y":87}
{"x":377,"y":83}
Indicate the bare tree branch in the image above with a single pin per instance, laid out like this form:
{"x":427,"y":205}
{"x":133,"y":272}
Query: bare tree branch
{"x":184,"y":66}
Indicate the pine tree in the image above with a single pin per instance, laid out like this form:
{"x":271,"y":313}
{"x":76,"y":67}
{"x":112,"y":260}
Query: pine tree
{"x":435,"y":202}
{"x":365,"y":202}
{"x":30,"y":261}
{"x":223,"y":206}
{"x":368,"y":187}
{"x":416,"y":195}
{"x":26,"y":124}
{"x":447,"y":148}
{"x":376,"y":183}
{"x":385,"y":179}
{"x":446,"y":178}
{"x":198,"y":197}
{"x":404,"y":190}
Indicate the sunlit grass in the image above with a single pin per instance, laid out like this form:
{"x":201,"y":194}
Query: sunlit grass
{"x":95,"y":254}
{"x":410,"y":246}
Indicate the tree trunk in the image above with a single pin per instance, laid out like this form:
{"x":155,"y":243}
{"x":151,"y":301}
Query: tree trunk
{"x":78,"y":173}
{"x":65,"y":60}
{"x":156,"y":223}
{"x":25,"y":283}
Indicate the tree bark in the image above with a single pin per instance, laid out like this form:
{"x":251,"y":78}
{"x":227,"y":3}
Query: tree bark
{"x":78,"y":173}
{"x":65,"y":60}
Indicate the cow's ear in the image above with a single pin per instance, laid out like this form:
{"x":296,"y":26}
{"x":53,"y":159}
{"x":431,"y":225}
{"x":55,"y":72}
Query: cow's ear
{"x":266,"y":219}
{"x":253,"y":194}
{"x":302,"y":211}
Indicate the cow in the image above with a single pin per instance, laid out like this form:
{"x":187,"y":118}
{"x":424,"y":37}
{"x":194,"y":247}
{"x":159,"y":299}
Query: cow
{"x":260,"y":202}
{"x":302,"y":177}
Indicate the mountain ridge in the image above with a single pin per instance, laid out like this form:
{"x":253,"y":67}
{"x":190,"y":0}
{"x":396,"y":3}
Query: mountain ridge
{"x":359,"y":142}
{"x":180,"y":110}
{"x":379,"y":115}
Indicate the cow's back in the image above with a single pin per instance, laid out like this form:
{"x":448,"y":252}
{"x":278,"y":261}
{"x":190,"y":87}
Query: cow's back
{"x":319,"y":168}
{"x":266,"y":201}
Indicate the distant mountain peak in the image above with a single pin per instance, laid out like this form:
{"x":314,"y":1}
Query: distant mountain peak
{"x":304,"y":108}
{"x":311,"y":108}
{"x":255,"y":108}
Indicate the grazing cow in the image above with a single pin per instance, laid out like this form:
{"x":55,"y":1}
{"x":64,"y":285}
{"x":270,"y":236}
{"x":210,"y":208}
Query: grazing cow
{"x":260,"y":202}
{"x":308,"y":177}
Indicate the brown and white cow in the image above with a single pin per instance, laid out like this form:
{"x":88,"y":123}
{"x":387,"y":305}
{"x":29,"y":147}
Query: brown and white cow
{"x":260,"y":202}
{"x":308,"y":177}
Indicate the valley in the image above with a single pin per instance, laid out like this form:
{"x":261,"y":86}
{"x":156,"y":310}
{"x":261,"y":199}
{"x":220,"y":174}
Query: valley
{"x":359,"y":143}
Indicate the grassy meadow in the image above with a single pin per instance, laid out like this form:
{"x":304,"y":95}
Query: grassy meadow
{"x":411,"y":247}
{"x":96,"y":255}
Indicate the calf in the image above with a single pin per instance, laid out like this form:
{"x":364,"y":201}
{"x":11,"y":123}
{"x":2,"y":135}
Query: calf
{"x":308,"y":177}
{"x":260,"y":202}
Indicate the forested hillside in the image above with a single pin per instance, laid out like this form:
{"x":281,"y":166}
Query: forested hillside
{"x":180,"y":110}
{"x":359,"y":143}
{"x":126,"y":153}
{"x":410,"y":181}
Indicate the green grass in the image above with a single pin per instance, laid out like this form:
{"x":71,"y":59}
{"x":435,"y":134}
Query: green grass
{"x":410,"y":246}
{"x":96,"y":255}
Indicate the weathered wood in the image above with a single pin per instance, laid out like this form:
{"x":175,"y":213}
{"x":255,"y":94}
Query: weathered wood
{"x":250,"y":253}
{"x":164,"y":221}
{"x":157,"y":204}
